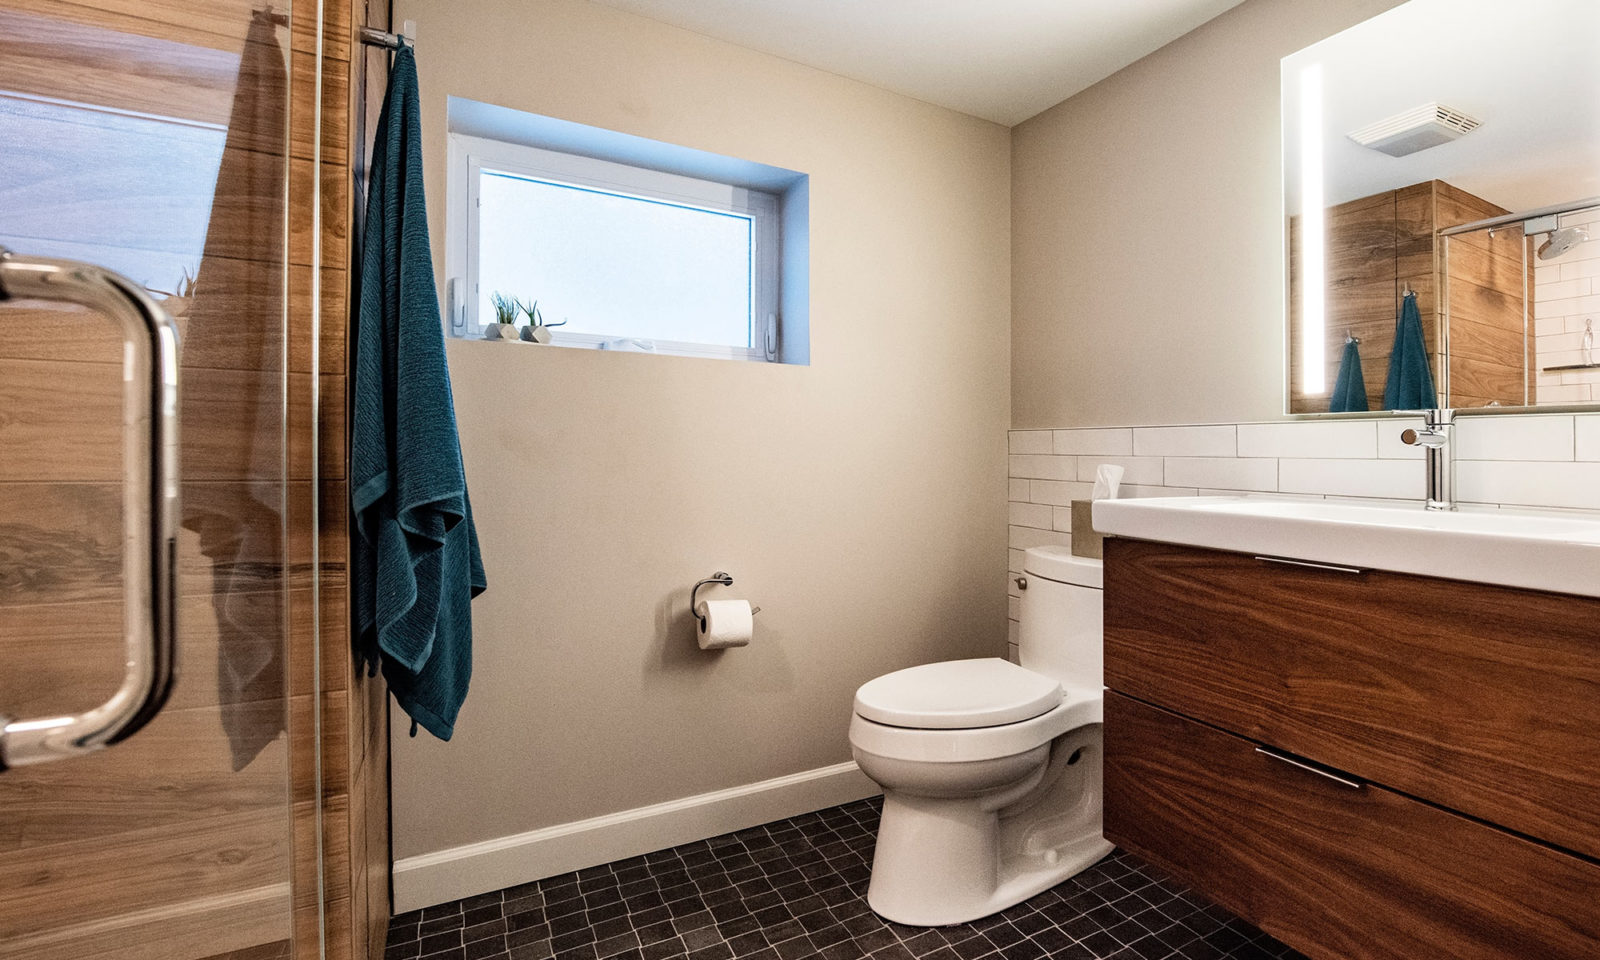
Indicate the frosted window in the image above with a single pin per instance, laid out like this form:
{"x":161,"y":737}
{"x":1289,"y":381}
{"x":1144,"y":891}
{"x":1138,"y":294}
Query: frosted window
{"x":614,"y":265}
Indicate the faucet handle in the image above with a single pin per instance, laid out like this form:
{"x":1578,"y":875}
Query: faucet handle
{"x":1429,"y":437}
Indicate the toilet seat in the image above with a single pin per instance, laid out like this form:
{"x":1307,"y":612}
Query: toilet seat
{"x":1076,"y":707}
{"x":957,"y":695}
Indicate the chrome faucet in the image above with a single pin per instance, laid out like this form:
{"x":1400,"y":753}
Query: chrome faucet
{"x":1434,"y":438}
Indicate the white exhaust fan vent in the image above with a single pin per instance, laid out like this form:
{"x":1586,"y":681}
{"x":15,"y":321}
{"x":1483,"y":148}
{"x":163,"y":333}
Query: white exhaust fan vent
{"x":1417,"y":129}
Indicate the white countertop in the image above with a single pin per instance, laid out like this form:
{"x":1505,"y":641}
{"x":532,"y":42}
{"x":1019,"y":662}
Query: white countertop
{"x":1528,"y":549}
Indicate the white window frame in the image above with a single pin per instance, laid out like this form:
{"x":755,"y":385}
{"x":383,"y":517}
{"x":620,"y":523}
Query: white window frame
{"x":470,"y":156}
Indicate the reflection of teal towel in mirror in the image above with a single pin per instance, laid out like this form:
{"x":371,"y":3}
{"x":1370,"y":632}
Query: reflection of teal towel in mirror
{"x":1410,"y":383}
{"x":1350,"y":390}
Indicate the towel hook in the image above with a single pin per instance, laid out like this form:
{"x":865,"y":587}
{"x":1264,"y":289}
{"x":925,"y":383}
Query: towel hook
{"x":718,"y":577}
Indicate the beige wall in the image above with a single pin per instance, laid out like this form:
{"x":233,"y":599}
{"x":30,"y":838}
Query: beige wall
{"x":1147,"y":245}
{"x":859,"y":501}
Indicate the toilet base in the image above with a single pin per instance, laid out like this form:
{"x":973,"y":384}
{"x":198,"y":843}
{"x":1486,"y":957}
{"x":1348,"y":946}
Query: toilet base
{"x":942,"y":861}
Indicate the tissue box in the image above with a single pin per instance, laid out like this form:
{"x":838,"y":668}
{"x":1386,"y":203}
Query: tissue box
{"x":1085,"y":542}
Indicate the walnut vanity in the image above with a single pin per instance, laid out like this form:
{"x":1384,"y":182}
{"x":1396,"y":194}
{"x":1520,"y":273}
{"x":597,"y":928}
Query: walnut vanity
{"x":1363,"y":758}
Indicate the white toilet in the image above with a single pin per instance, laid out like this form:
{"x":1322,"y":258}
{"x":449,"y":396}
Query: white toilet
{"x":990,"y":771}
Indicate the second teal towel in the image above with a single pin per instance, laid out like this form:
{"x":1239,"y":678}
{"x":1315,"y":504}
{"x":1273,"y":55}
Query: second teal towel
{"x":1410,"y":383}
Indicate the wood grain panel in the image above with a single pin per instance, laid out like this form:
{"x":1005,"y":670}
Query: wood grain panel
{"x":62,"y":543}
{"x":55,"y":57}
{"x":71,"y":654}
{"x":241,"y":328}
{"x":1335,"y":872}
{"x":1481,"y":341}
{"x":179,"y":769}
{"x":238,"y":924}
{"x":232,"y":423}
{"x":1500,"y":382}
{"x":222,"y":24}
{"x":87,"y":880}
{"x":60,"y":421}
{"x":1483,"y":699}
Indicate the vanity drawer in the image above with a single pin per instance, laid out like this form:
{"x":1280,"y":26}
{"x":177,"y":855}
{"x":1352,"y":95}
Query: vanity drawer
{"x":1482,"y":699}
{"x":1339,"y":873}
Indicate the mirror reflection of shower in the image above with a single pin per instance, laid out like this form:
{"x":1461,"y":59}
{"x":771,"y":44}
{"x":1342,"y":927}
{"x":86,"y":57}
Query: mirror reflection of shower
{"x":1561,"y":240}
{"x":1560,"y":304}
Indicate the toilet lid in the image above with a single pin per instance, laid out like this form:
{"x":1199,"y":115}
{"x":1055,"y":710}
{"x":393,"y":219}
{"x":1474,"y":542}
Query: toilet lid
{"x":957,"y":694}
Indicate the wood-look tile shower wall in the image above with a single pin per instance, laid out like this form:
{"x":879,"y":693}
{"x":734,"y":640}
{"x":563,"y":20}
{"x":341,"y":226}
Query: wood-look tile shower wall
{"x":212,"y":836}
{"x":355,"y":742}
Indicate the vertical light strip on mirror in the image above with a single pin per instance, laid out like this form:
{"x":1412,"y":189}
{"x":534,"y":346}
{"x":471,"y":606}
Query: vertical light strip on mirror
{"x":1313,"y":227}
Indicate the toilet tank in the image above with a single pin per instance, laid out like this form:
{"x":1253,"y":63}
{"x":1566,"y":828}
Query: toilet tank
{"x":1062,"y":624}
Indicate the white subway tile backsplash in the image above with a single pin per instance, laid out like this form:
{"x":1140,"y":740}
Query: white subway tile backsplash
{"x":1030,"y":515}
{"x":1014,"y":559}
{"x":1135,"y":469}
{"x":1513,"y":438}
{"x":1058,"y":493}
{"x":1588,"y":436}
{"x":1044,"y":467}
{"x":1534,"y":484}
{"x":1032,"y":441}
{"x":1017,"y":489}
{"x":1024,"y":537}
{"x":1315,"y":439}
{"x":1562,"y":289}
{"x":1398,"y":479}
{"x":1013,"y":608}
{"x":1063,"y":519}
{"x":1115,"y":442}
{"x":1225,"y":473}
{"x":1208,"y":441}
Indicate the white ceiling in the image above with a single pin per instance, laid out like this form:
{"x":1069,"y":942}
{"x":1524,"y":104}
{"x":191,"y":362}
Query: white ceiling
{"x":1003,"y":60}
{"x":1529,"y":70}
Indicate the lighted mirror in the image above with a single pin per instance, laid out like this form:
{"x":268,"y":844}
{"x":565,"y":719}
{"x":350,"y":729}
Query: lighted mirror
{"x":1434,"y":116}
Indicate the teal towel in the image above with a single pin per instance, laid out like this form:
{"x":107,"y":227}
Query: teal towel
{"x":1410,"y":383}
{"x":415,"y":554}
{"x":1350,"y":390}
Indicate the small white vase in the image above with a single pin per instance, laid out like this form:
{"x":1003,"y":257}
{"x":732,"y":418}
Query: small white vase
{"x":500,"y":331}
{"x":533,"y":334}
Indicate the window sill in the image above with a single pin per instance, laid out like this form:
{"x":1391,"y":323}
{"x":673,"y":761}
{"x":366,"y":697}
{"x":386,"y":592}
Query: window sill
{"x":666,"y":348}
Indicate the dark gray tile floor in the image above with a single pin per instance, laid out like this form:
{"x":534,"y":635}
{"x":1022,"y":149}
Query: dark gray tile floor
{"x":797,"y":889}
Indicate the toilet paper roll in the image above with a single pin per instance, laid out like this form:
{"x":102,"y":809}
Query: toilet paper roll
{"x":725,"y":623}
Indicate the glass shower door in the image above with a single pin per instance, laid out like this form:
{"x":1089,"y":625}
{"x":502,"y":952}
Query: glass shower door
{"x":152,"y":138}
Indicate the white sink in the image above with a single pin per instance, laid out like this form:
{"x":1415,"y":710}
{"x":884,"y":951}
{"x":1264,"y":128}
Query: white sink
{"x":1538,"y":551}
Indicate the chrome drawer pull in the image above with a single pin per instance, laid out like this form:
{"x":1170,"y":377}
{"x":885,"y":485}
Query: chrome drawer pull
{"x":149,"y":509}
{"x":1340,"y":779}
{"x":1314,"y":566}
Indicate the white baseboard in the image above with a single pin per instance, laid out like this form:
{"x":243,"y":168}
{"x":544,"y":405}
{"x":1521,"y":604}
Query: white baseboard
{"x":475,"y":868}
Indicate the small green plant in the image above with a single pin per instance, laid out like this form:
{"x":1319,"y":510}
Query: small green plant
{"x":505,"y":308}
{"x":536,"y":317}
{"x":531,"y":310}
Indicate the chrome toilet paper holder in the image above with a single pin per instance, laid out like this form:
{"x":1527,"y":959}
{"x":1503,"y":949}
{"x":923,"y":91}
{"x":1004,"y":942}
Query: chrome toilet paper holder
{"x":694,"y":605}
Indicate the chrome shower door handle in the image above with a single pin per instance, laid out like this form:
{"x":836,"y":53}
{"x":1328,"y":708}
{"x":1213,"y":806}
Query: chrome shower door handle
{"x":149,"y":508}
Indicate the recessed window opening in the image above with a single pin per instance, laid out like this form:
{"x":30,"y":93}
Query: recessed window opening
{"x":619,"y":256}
